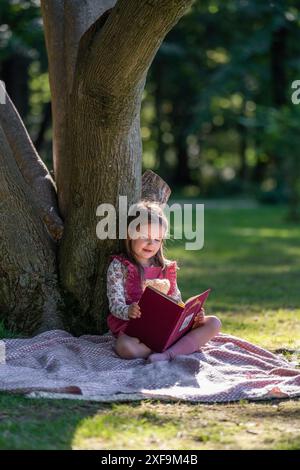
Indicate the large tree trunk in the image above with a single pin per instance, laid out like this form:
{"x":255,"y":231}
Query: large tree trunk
{"x":100,"y":155}
{"x":72,"y":18}
{"x":99,"y":55}
{"x":30,"y":226}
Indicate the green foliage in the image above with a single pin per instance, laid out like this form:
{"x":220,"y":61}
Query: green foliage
{"x":24,"y":65}
{"x":282,"y":134}
{"x":21,"y":30}
{"x":208,"y":85}
{"x":217,"y":111}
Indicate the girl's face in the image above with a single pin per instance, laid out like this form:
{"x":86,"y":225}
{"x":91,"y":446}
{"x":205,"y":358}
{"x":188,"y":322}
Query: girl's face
{"x":148,"y":244}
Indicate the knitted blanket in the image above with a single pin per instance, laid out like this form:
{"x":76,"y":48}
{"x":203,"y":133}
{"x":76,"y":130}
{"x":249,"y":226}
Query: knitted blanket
{"x":59,"y":365}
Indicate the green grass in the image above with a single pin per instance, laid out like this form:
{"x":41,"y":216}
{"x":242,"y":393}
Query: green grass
{"x":63,"y":424}
{"x":251,"y":259}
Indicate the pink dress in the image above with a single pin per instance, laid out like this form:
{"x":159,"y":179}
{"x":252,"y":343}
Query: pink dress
{"x":131,"y":289}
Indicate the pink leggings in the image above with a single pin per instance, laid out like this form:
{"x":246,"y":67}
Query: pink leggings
{"x":128,"y":347}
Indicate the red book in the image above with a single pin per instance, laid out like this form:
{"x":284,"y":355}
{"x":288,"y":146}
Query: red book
{"x":163,"y":321}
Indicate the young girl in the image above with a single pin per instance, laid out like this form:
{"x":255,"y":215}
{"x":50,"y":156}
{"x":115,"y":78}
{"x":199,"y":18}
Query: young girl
{"x":143,"y":259}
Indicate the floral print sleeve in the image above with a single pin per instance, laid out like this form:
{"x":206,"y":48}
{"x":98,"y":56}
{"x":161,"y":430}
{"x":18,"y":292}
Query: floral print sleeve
{"x":177,"y":294}
{"x":116,"y":290}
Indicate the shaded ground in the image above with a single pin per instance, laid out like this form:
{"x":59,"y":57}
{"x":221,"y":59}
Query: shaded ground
{"x":60,"y":424}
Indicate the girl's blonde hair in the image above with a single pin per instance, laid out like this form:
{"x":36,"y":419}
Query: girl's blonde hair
{"x":154,"y":214}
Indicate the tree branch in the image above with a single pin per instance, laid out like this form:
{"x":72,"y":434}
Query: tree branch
{"x":65,"y":22}
{"x":29,"y":293}
{"x":32,"y":168}
{"x":122,"y":51}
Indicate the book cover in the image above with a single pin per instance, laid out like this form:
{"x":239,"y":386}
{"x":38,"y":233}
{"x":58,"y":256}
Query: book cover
{"x":163,"y":321}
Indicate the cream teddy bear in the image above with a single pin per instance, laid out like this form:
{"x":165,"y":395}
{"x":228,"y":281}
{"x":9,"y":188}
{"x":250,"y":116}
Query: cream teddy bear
{"x":163,"y":285}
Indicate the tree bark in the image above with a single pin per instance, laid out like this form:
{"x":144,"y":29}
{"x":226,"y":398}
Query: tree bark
{"x":30,"y":224}
{"x":72,"y":18}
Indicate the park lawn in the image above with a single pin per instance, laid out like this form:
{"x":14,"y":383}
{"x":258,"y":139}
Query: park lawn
{"x":251,"y":259}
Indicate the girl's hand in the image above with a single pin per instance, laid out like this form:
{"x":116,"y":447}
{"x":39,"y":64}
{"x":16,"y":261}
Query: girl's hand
{"x":134,"y":310}
{"x":199,"y":318}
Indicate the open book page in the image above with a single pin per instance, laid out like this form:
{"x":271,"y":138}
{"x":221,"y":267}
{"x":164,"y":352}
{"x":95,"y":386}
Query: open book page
{"x":191,"y":298}
{"x":164,"y":295}
{"x":193,"y":305}
{"x":189,"y":302}
{"x":196,"y":301}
